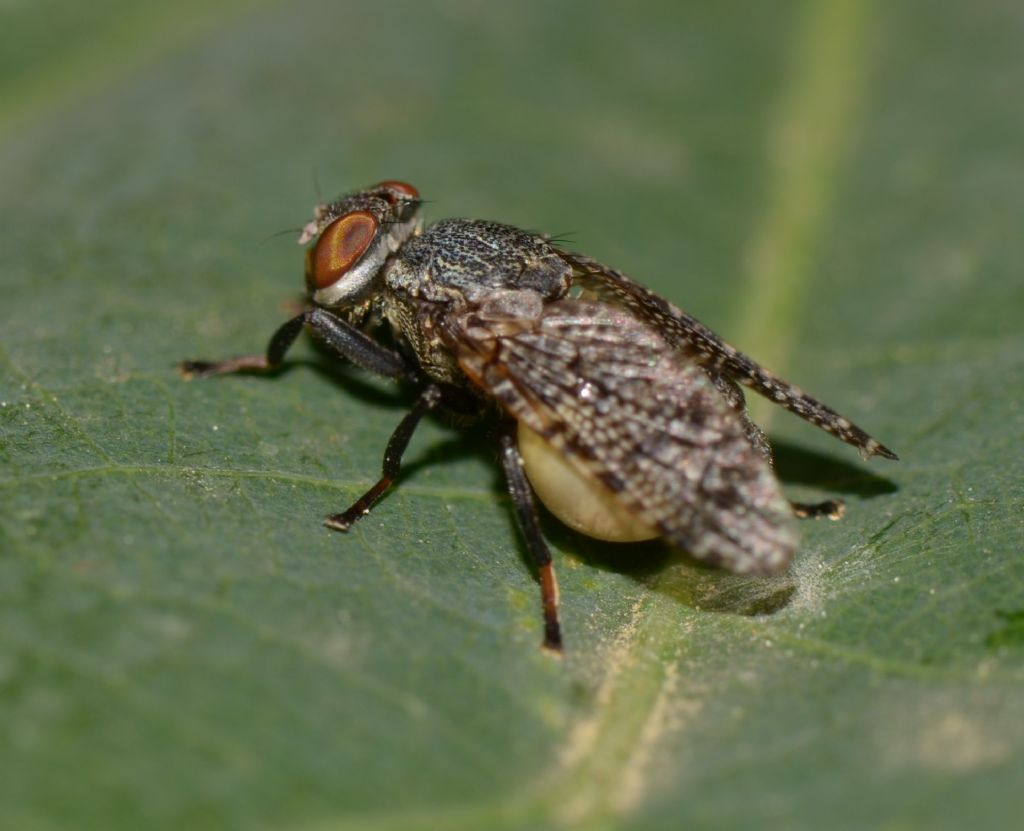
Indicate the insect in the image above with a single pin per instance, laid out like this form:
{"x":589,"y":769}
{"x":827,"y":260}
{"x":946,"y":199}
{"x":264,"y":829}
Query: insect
{"x":621,"y":412}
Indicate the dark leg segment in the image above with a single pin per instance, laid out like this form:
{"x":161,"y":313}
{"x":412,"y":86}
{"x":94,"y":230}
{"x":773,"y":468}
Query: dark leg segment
{"x":734,"y":395}
{"x":358,"y":347}
{"x":279,"y":344}
{"x":526,"y":513}
{"x":831,"y":508}
{"x":339,"y":334}
{"x":428,"y":400}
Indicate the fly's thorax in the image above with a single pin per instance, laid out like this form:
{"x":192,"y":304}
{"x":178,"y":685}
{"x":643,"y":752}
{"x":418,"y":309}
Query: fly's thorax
{"x":458,"y":261}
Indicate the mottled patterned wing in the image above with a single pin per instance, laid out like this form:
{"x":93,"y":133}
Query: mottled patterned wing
{"x":623,"y":405}
{"x":697,"y":341}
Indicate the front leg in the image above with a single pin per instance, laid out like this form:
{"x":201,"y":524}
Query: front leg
{"x":344,"y":338}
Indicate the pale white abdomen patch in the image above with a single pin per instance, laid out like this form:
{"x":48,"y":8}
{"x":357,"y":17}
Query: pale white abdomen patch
{"x":579,"y":500}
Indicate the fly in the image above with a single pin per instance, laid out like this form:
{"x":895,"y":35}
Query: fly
{"x":623,"y":414}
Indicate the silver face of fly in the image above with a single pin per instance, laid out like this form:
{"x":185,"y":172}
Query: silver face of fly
{"x":621,"y":412}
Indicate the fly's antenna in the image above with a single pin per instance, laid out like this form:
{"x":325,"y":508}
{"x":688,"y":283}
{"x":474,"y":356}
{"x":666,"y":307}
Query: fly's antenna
{"x":313,"y":175}
{"x":281,"y":233}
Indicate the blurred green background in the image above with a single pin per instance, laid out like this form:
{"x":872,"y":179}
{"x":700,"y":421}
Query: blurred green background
{"x":836,"y":187}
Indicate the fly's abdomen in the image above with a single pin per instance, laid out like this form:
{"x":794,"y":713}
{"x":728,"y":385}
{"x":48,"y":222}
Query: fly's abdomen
{"x":574,"y":495}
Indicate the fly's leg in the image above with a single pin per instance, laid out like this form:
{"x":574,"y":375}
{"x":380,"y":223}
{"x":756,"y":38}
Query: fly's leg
{"x":357,"y":347}
{"x":831,"y":508}
{"x":526,"y":514}
{"x":344,"y":338}
{"x":428,"y":400}
{"x":279,"y":344}
{"x":734,"y":395}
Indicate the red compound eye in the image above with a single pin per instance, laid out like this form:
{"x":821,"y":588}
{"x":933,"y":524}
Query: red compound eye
{"x":405,"y":190}
{"x":342,"y":243}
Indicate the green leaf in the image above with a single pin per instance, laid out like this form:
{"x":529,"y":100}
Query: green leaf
{"x":835,"y":187}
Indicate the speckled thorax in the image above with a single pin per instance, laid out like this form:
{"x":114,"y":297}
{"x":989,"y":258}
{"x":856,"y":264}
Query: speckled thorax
{"x":460,"y":261}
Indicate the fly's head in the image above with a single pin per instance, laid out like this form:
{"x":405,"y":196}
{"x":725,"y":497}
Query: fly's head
{"x":352,"y":238}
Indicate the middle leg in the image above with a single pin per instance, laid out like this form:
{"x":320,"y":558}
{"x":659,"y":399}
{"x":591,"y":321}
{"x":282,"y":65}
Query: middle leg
{"x":399,"y":441}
